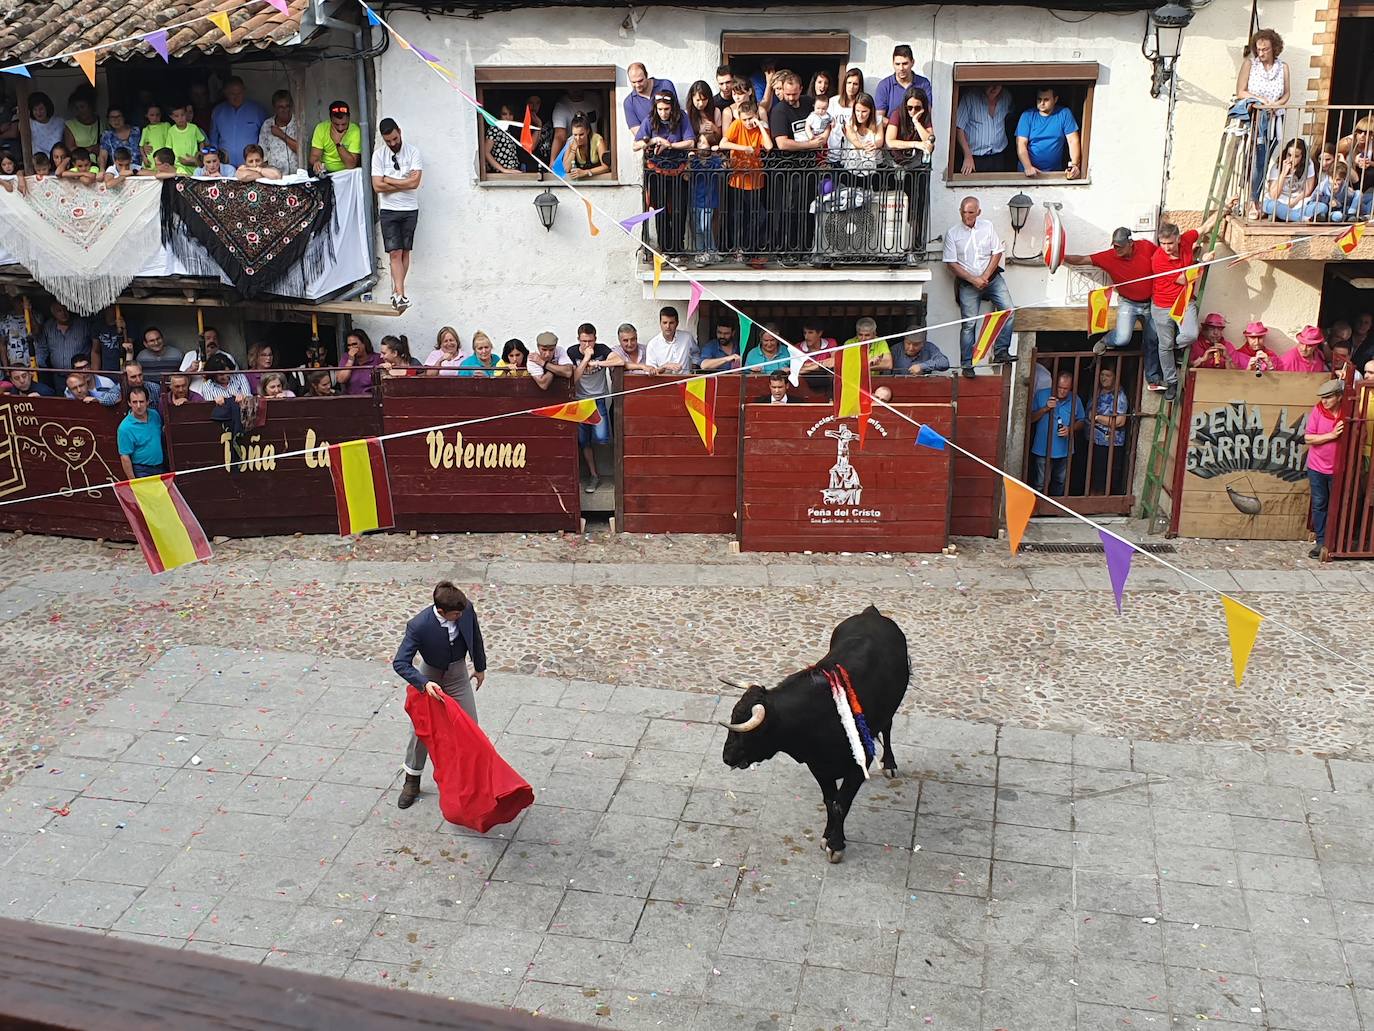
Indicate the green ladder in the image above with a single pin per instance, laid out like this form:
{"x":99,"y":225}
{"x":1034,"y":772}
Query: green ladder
{"x":1164,"y":438}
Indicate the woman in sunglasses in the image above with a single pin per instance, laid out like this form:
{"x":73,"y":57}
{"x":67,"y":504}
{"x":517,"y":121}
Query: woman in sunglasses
{"x":911,"y":130}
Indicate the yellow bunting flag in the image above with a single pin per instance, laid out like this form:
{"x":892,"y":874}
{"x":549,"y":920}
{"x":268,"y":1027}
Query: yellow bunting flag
{"x":221,"y":20}
{"x":658,"y":272}
{"x":1242,"y":625}
{"x":1185,"y":295}
{"x":1020,"y":505}
{"x":699,"y":397}
{"x":575,"y":411}
{"x":362,"y":491}
{"x":590,"y":224}
{"x":988,"y":329}
{"x":1350,"y":239}
{"x":1099,"y":301}
{"x":167,"y":531}
{"x":86,"y":60}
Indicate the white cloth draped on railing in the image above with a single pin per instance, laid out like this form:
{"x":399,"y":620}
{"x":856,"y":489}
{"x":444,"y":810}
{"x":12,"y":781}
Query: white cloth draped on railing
{"x":84,"y":244}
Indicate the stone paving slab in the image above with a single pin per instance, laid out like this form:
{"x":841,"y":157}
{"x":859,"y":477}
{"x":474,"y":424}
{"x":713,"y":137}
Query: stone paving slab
{"x":1009,"y":878}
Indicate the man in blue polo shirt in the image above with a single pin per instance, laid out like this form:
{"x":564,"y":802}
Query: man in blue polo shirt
{"x":639,"y":102}
{"x":140,"y":438}
{"x":1047,"y":138}
{"x":1062,"y":409}
{"x":887,"y":98}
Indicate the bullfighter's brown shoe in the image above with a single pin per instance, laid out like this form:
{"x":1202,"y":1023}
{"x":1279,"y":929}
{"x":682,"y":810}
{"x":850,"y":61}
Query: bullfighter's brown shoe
{"x":410,"y":791}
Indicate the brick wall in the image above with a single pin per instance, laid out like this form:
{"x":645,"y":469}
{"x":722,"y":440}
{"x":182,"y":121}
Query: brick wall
{"x":1327,"y":14}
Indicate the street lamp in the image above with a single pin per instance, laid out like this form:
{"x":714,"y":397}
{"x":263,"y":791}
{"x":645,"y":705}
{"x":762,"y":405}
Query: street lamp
{"x":1166,"y":23}
{"x":1020,"y":206}
{"x":547,"y":206}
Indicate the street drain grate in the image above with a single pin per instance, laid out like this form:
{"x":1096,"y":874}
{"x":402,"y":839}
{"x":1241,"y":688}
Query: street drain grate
{"x":1094,"y":549}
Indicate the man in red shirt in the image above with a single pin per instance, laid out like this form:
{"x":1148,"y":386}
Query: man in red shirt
{"x":1127,"y":261}
{"x":1175,"y":253}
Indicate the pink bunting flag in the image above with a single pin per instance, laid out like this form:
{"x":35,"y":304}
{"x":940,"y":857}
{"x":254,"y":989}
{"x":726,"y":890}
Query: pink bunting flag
{"x":696,"y":298}
{"x":279,"y":5}
{"x":158,"y":41}
{"x":628,"y":224}
{"x":1118,"y":554}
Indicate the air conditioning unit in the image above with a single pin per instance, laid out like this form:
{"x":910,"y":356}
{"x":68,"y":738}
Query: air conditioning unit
{"x":851,"y":232}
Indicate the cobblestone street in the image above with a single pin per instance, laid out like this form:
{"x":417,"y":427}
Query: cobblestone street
{"x":1092,"y":828}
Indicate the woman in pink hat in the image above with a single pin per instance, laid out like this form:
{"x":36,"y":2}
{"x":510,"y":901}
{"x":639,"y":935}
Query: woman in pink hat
{"x":1254,"y":354}
{"x":1210,"y":349}
{"x":1307,"y":356}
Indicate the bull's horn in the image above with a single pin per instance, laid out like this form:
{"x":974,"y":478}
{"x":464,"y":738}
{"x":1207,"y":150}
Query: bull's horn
{"x":752,"y":723}
{"x":732,"y":683}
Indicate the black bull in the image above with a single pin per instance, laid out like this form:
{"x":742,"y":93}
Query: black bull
{"x":798,"y":716}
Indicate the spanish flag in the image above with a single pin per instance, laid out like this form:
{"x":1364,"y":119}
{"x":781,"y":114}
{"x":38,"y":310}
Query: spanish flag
{"x":699,"y":398}
{"x":1185,"y":296}
{"x":1350,"y":239}
{"x":167,"y":531}
{"x":852,"y":397}
{"x":575,"y":411}
{"x":988,"y":330}
{"x":1099,"y":301}
{"x":362,"y":491}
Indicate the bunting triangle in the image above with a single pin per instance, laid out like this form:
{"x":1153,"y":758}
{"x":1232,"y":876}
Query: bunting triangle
{"x":279,"y":6}
{"x":1020,"y":505}
{"x":167,"y":531}
{"x":796,"y":358}
{"x":527,"y":131}
{"x":574,"y":411}
{"x":18,"y":70}
{"x":699,"y":397}
{"x":591,"y":226}
{"x":694,"y":300}
{"x":372,"y":19}
{"x":221,"y":20}
{"x":1099,"y":302}
{"x":1118,"y":555}
{"x":746,"y":327}
{"x":658,"y":273}
{"x":86,"y":62}
{"x":158,"y":41}
{"x":628,"y":224}
{"x":1350,"y":239}
{"x":362,"y":489}
{"x":1242,"y":626}
{"x":989,"y":327}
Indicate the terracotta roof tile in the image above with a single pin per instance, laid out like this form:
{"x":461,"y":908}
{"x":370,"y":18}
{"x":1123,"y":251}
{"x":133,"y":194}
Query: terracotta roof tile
{"x":31,"y":30}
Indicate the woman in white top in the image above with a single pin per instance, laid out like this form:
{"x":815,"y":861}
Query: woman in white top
{"x":1263,"y":78}
{"x":863,"y":138}
{"x":45,"y":128}
{"x":1291,"y":182}
{"x":842,"y":107}
{"x":447,"y":355}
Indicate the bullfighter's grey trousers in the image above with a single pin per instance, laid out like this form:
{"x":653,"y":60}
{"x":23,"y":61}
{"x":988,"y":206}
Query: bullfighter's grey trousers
{"x":456,"y":684}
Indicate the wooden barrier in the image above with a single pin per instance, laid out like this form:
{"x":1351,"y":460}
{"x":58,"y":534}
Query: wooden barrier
{"x":1244,"y":446}
{"x":49,"y":444}
{"x":266,"y":496}
{"x":519,"y":473}
{"x":808,"y":486}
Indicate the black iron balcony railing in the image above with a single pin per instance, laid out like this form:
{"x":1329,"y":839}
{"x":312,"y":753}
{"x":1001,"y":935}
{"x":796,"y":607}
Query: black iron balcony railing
{"x":794,"y":210}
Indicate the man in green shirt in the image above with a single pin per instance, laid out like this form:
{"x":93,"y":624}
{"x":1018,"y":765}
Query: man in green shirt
{"x":336,"y":145}
{"x":185,"y":138}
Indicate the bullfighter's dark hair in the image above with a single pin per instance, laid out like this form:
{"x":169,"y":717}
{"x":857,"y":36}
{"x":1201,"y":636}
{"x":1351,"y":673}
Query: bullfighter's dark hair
{"x":448,"y":598}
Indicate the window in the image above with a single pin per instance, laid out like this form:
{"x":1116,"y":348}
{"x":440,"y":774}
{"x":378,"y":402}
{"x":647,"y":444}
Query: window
{"x":1074,"y":84}
{"x":805,"y":53}
{"x":505,"y":92}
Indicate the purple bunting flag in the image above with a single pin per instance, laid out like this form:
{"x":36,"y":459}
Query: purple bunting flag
{"x":426,"y":55}
{"x":17,"y":69}
{"x":634,"y":220}
{"x":927,"y":437}
{"x":158,"y":41}
{"x":1118,"y":554}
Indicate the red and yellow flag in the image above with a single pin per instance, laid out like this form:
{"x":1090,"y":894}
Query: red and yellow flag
{"x":1185,"y":296}
{"x":699,"y":398}
{"x":167,"y":531}
{"x":526,"y":132}
{"x":1099,"y":301}
{"x":575,"y":411}
{"x":1350,"y":239}
{"x":362,"y":491}
{"x":988,"y":330}
{"x":852,"y":397}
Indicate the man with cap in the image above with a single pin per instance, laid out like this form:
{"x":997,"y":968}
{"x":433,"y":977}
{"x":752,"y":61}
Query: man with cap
{"x":547,"y":360}
{"x":1254,"y":354}
{"x":1127,"y":261}
{"x":336,"y":145}
{"x":1210,"y":350}
{"x":1307,"y":356}
{"x":445,"y":635}
{"x":1324,"y":429}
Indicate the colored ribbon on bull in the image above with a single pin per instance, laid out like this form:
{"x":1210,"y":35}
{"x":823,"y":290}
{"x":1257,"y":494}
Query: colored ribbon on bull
{"x":1242,"y":626}
{"x":1118,"y":555}
{"x":989,"y":327}
{"x":694,"y":300}
{"x":847,"y":721}
{"x":699,"y":398}
{"x":1020,"y":505}
{"x":167,"y":531}
{"x":1185,"y":295}
{"x":1350,"y":239}
{"x":362,"y":490}
{"x":1099,"y":301}
{"x":574,"y":411}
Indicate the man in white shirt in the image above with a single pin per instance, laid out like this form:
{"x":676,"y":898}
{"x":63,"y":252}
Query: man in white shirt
{"x":973,"y":255}
{"x":670,"y":351}
{"x":396,"y":172}
{"x":573,"y":103}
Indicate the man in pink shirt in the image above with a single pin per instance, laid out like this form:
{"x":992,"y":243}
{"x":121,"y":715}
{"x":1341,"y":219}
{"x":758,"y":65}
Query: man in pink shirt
{"x":1307,"y":356}
{"x":1322,"y":434}
{"x":1211,"y":350}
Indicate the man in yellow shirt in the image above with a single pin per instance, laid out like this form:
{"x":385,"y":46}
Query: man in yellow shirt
{"x":336,"y":145}
{"x":879,"y":352}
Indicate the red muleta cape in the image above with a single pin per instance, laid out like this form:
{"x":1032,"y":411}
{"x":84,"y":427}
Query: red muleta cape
{"x":477,"y":788}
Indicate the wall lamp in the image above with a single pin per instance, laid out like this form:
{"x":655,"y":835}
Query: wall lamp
{"x":1163,"y":42}
{"x":1019,"y":206}
{"x":547,"y":206}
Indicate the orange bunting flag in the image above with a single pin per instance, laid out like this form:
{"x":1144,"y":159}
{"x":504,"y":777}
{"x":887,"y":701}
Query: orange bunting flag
{"x":86,"y":60}
{"x":575,"y":411}
{"x":1098,"y":315}
{"x":852,"y":397}
{"x":1242,"y":626}
{"x":1350,"y":239}
{"x":699,"y":398}
{"x":167,"y":531}
{"x":658,"y":274}
{"x":590,"y":224}
{"x":1020,"y":505}
{"x":527,"y":132}
{"x":988,"y":330}
{"x":1185,"y":296}
{"x":362,"y":490}
{"x":221,"y":20}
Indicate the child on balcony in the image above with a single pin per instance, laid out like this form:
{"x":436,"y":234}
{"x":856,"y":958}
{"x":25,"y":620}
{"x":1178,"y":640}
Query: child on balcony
{"x":818,"y":122}
{"x":81,"y":169}
{"x":705,"y":168}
